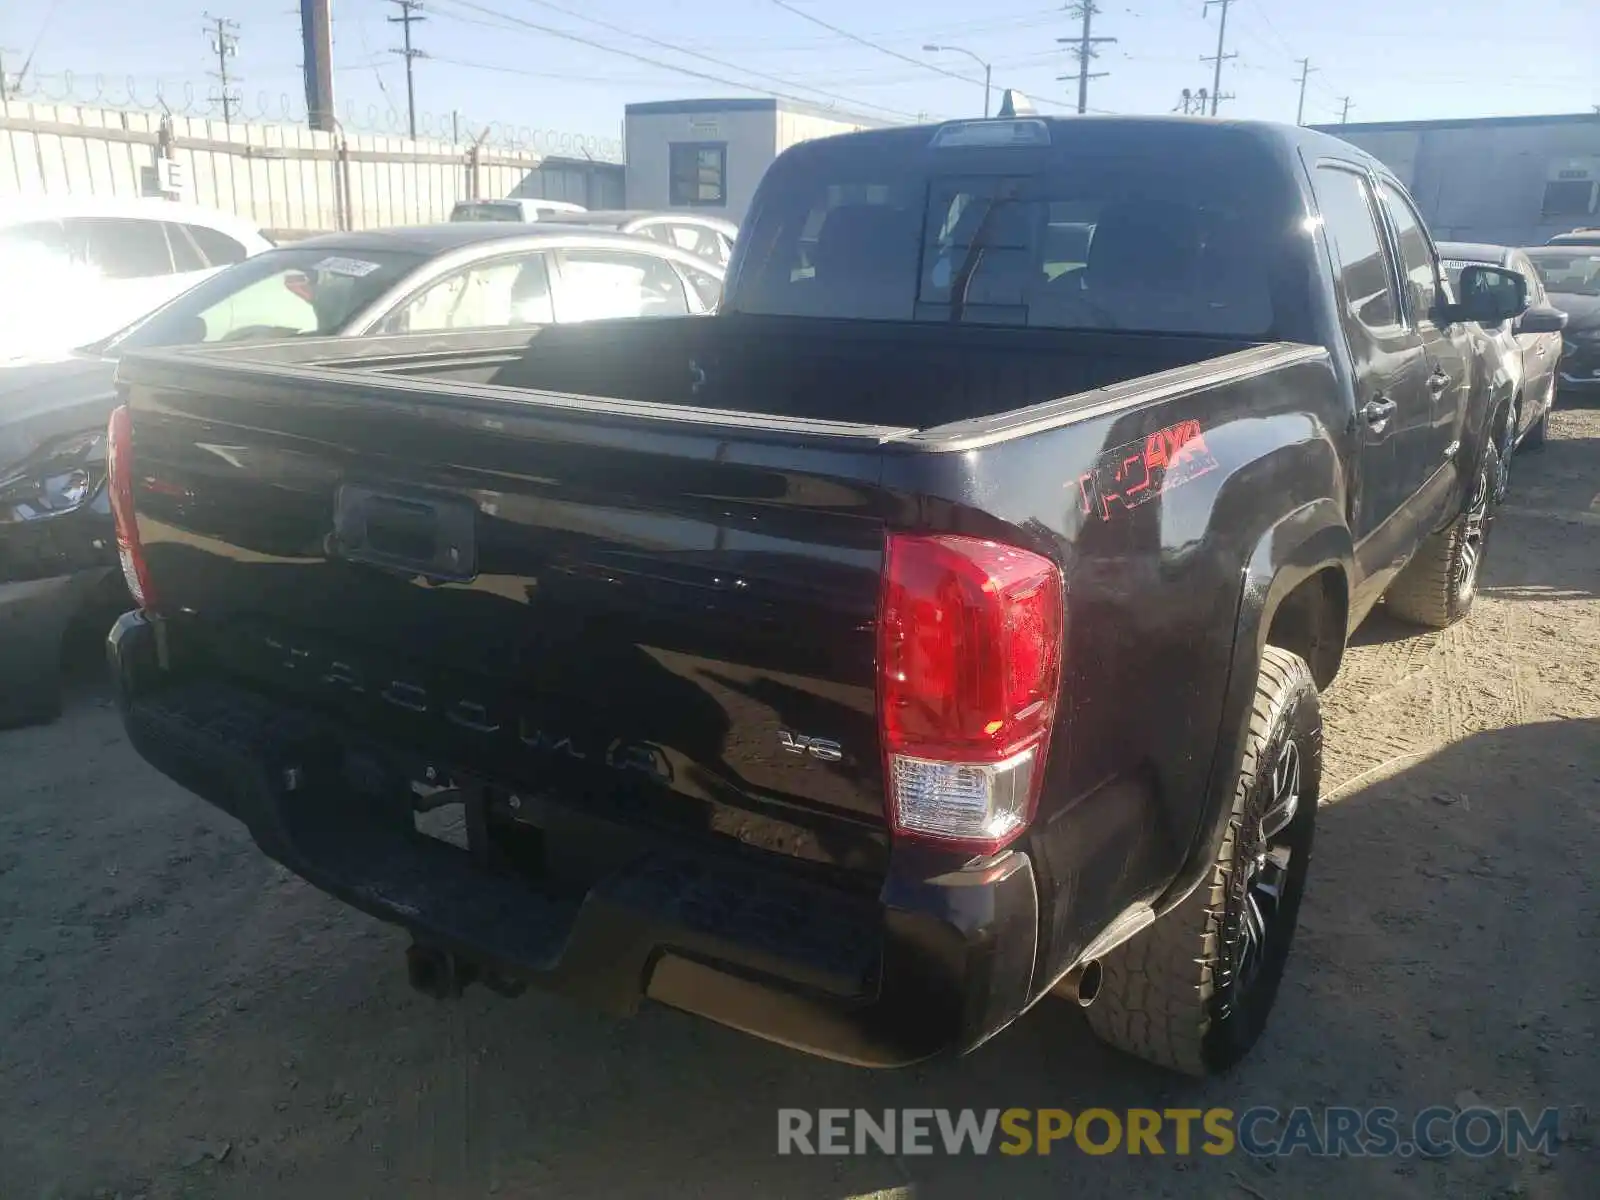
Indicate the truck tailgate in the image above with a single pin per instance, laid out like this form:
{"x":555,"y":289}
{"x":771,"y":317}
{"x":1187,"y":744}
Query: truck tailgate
{"x":616,"y":611}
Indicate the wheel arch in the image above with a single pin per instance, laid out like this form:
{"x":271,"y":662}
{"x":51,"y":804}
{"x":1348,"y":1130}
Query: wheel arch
{"x":1295,"y":594}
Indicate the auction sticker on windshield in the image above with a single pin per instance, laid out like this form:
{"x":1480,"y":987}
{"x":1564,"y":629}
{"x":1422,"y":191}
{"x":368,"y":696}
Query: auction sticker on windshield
{"x":356,"y":268}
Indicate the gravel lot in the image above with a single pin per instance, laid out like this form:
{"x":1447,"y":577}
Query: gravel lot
{"x":179,"y":1017}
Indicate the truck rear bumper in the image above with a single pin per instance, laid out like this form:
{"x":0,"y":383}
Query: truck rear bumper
{"x":937,"y":961}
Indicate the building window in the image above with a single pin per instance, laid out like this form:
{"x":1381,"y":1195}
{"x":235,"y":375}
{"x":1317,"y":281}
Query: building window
{"x":1568,"y":198}
{"x":699,"y":174}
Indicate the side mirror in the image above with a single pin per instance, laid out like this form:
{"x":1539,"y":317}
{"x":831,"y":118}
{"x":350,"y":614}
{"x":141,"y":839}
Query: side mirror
{"x":1542,"y":319}
{"x":1489,"y":295}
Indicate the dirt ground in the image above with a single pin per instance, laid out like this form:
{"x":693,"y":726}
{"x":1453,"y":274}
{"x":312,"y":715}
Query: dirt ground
{"x":179,"y":1017}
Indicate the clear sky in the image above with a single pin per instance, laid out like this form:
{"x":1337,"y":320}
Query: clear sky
{"x":1395,"y":59}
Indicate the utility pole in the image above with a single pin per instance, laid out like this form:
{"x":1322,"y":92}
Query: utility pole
{"x":409,"y":15}
{"x":316,"y":37}
{"x":224,"y":36}
{"x":1083,"y":48}
{"x":1219,"y":57}
{"x":1305,"y":73}
{"x":1344,"y":114}
{"x":5,"y":92}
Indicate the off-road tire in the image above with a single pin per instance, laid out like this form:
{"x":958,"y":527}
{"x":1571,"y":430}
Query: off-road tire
{"x":1435,"y":588}
{"x":1172,"y":995}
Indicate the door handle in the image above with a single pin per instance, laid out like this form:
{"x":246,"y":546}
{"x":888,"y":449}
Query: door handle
{"x":1437,"y":382}
{"x":1376,"y":412}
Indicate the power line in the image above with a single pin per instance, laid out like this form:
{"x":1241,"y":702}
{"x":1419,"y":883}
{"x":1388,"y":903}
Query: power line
{"x":409,"y":16}
{"x":859,"y":40}
{"x":1085,"y":52}
{"x":1219,"y":57}
{"x":685,"y":50}
{"x":926,"y":66}
{"x":1305,"y":74}
{"x":224,"y":36}
{"x":579,"y":39}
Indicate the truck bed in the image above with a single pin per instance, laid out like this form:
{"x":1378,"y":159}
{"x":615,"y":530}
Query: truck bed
{"x":886,"y":374}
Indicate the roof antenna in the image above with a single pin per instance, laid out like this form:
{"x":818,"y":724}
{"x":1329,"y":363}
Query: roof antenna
{"x":1015,"y":104}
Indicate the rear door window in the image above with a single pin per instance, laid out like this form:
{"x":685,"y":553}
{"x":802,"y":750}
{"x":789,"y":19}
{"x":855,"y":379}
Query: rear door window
{"x":1350,"y":223}
{"x":598,"y":284}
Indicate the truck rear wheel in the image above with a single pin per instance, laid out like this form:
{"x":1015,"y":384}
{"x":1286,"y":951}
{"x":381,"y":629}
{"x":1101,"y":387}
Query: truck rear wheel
{"x":1193,"y":991}
{"x":1440,"y":582}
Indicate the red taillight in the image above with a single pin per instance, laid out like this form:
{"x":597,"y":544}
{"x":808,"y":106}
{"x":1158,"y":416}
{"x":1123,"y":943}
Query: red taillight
{"x":119,"y":476}
{"x":969,"y":659}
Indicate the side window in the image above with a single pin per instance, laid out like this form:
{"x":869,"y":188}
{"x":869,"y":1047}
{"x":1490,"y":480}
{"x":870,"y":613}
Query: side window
{"x":596,"y":284}
{"x":656,"y":233}
{"x":697,"y":174}
{"x":1416,"y":253}
{"x":125,"y":247}
{"x":697,"y":240}
{"x":186,"y":255}
{"x":219,"y":249}
{"x":487,"y":295}
{"x":1349,"y":222}
{"x":707,"y":287}
{"x":33,"y":244}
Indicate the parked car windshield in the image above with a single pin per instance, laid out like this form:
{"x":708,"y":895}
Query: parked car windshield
{"x":1107,"y":228}
{"x":1573,"y":272}
{"x":284,"y":293}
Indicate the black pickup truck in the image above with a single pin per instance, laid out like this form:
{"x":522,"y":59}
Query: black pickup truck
{"x":937,"y":627}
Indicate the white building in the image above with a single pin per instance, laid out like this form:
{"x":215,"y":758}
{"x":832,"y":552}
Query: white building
{"x":708,"y":155}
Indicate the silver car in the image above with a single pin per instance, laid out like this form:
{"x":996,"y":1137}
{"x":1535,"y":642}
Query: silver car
{"x":1530,"y":346}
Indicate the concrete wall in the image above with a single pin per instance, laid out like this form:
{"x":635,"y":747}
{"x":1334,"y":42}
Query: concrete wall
{"x":1485,"y":181}
{"x":278,"y":176}
{"x":750,"y":136}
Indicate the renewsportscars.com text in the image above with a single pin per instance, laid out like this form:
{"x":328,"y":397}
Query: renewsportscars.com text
{"x":1261,"y":1131}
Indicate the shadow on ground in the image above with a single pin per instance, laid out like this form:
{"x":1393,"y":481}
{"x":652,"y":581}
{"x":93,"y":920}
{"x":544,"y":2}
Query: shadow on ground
{"x":1448,"y":945}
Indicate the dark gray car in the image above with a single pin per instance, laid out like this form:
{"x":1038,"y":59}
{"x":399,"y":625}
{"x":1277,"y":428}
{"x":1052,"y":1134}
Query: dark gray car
{"x":1571,"y":276}
{"x":57,"y":546}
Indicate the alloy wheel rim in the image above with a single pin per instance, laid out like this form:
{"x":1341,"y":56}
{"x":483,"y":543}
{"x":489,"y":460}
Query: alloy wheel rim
{"x":1472,"y":538}
{"x":1502,"y":484}
{"x":1267,"y":873}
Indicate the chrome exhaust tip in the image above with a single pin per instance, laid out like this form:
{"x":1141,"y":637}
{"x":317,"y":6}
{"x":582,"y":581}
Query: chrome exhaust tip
{"x":1082,"y":984}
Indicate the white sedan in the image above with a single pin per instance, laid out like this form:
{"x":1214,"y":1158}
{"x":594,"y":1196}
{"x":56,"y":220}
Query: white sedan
{"x":78,"y":270}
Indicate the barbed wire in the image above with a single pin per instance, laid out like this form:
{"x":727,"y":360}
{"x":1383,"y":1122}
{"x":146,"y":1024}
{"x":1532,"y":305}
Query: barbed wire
{"x":181,"y":98}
